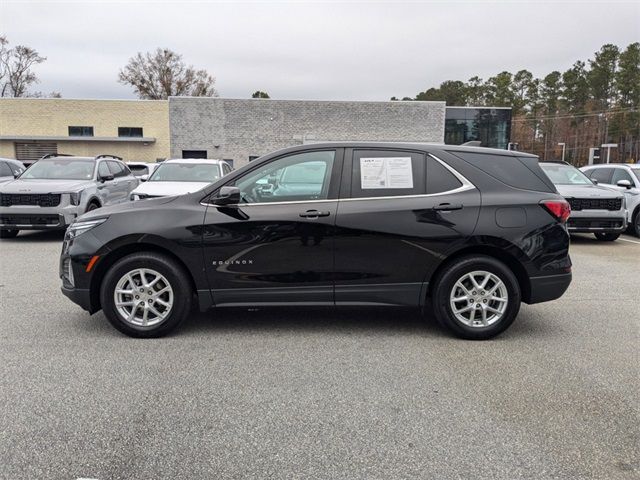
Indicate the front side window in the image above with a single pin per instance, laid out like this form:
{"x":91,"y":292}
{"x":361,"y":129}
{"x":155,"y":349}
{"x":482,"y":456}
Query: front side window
{"x":621,"y":174}
{"x":602,"y":175}
{"x":186,"y":172}
{"x":117,"y":169}
{"x":103,"y":170}
{"x":300,"y":177}
{"x":5,"y":171}
{"x":75,"y":131}
{"x":387,"y":173}
{"x":561,"y":174}
{"x":60,"y":169}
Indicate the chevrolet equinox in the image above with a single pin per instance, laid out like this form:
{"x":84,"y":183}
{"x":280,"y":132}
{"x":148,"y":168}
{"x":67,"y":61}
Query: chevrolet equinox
{"x":467,"y":232}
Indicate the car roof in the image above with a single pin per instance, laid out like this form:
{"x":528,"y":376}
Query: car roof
{"x":610,"y":165}
{"x":430,"y":147}
{"x":193,"y":160}
{"x":146,"y":164}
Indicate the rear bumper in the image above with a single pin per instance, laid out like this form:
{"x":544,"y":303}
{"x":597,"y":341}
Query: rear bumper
{"x":549,"y":287}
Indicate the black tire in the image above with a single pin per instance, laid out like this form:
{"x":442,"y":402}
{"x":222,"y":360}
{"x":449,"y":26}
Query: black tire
{"x":445,"y":283}
{"x":606,"y":237}
{"x":9,"y":233}
{"x":635,"y":223}
{"x":175,"y":275}
{"x":92,"y":206}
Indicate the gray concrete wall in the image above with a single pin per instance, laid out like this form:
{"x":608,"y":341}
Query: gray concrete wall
{"x":238,"y":128}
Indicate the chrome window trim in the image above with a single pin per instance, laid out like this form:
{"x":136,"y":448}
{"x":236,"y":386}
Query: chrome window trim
{"x":466,"y":185}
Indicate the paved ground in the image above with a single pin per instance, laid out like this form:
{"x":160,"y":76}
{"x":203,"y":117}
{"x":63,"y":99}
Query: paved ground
{"x":294,"y":394}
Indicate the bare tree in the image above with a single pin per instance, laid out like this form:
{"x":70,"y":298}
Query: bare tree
{"x":161,"y":74}
{"x":16,"y":74}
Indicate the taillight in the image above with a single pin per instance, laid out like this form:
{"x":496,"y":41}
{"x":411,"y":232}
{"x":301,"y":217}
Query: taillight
{"x":559,"y":209}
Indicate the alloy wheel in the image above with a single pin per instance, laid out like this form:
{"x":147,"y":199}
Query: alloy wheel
{"x":479,"y":299}
{"x":143,"y":297}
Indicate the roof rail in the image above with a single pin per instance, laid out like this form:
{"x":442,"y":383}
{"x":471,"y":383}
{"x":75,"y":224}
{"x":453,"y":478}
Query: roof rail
{"x":50,"y":155}
{"x":107,"y":155}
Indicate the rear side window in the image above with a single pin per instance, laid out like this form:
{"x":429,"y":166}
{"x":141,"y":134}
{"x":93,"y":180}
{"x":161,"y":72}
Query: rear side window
{"x":602,"y":175}
{"x":439,"y":179}
{"x":387,"y":173}
{"x":514,"y":171}
{"x":621,"y":174}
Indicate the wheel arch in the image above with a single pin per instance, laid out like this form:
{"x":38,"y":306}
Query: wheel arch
{"x":113,"y":256}
{"x":94,"y":199}
{"x":497,"y":253}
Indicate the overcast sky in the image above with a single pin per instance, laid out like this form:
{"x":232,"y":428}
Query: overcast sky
{"x":313,"y":50}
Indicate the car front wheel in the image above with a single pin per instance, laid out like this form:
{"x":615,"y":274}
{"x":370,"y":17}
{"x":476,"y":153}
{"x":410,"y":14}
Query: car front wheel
{"x":146,"y":295}
{"x":607,"y":237}
{"x":476,"y":297}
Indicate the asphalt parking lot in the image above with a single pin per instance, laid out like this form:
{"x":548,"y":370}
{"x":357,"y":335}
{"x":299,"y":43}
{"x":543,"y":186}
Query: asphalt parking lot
{"x":321,"y":394}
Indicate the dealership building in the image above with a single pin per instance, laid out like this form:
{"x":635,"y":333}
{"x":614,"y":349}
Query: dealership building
{"x":236,"y":130}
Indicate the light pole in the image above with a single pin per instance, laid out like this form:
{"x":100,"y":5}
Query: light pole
{"x":563,"y":149}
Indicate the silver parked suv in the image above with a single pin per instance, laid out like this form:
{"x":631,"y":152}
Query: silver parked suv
{"x":626,"y":179}
{"x":56,"y":189}
{"x":594,"y":208}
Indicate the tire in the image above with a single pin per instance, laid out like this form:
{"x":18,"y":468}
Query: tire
{"x":606,"y":237}
{"x":92,"y":206}
{"x":635,"y":223}
{"x":168,"y":273}
{"x":451,"y":283}
{"x":9,"y":233}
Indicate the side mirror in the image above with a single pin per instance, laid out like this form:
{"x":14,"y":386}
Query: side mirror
{"x":106,"y":178}
{"x":144,"y":178}
{"x":227,"y":196}
{"x":595,"y":182}
{"x":624,"y":183}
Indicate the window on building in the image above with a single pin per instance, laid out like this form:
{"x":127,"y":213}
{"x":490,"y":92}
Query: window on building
{"x":130,"y":131}
{"x":194,"y":154}
{"x":252,"y":157}
{"x":75,"y":131}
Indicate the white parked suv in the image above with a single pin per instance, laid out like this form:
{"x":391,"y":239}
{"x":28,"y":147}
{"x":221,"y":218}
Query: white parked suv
{"x":624,"y":178}
{"x":181,"y":176}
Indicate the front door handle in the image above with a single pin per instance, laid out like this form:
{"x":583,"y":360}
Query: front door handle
{"x":447,"y":207}
{"x":314,"y":214}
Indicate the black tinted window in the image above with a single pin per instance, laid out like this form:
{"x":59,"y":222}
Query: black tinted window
{"x":602,"y":175}
{"x":387,"y":173}
{"x":439,"y":179}
{"x":117,"y":169}
{"x":5,"y":171}
{"x":510,"y":170}
{"x":621,"y":174}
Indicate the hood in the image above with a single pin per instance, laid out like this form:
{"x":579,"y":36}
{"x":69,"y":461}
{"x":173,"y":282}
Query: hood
{"x":44,"y":186}
{"x":587,"y":191}
{"x":162,"y":189}
{"x":142,"y":205}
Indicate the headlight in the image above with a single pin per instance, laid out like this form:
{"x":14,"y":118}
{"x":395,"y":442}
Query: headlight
{"x":75,"y":198}
{"x":83,"y":226}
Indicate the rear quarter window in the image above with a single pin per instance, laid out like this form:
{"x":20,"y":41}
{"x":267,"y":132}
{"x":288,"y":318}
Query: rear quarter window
{"x":518,"y":172}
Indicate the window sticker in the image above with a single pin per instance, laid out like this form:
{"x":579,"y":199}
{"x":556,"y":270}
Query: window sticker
{"x":386,"y":172}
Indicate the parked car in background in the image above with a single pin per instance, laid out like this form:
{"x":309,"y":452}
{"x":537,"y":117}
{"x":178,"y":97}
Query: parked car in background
{"x":594,"y":208}
{"x":180,"y":176}
{"x":10,"y":169}
{"x":467,"y":232}
{"x":52,"y":192}
{"x":142,"y":170}
{"x":624,"y":178}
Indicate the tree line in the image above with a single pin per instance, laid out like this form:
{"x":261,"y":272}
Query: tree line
{"x":592,"y":103}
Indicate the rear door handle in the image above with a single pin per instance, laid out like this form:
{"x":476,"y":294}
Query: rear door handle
{"x":447,"y":207}
{"x":314,"y":214}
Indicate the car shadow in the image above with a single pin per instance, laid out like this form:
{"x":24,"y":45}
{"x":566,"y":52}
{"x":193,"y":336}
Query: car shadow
{"x":35,"y":236}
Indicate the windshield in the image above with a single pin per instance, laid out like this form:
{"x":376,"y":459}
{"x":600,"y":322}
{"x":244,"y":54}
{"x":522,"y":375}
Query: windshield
{"x":60,"y":169}
{"x":186,"y":172}
{"x":561,"y":174}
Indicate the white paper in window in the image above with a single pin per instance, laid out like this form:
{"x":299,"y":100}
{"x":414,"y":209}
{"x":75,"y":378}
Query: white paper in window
{"x":386,"y":172}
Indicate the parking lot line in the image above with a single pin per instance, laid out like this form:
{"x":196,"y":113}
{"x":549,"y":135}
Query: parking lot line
{"x":627,"y":240}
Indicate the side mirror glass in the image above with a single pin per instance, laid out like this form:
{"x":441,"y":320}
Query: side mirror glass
{"x":144,"y":178}
{"x":624,"y":183}
{"x":227,"y":196}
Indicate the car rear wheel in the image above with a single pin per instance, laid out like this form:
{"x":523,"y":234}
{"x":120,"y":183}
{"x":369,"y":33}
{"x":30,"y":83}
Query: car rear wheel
{"x":476,"y":297}
{"x":606,"y":237}
{"x":9,"y":233}
{"x":635,"y":224}
{"x":146,"y":295}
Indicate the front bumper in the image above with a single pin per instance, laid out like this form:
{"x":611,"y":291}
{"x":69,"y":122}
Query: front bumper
{"x":27,"y":217}
{"x":548,"y":287}
{"x":78,"y":296}
{"x":597,"y":224}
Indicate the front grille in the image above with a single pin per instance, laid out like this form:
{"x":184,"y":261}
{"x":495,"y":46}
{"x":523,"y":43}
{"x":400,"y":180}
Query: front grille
{"x":36,"y":199}
{"x":593,"y":223}
{"x":17,"y":219}
{"x":595,"y":203}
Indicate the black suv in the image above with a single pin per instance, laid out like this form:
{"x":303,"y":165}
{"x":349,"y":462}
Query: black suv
{"x":469,"y":232}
